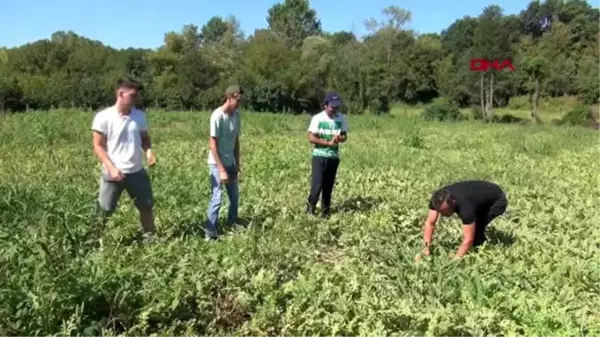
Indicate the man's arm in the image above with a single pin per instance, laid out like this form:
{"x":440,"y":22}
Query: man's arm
{"x":236,"y":152}
{"x":147,"y":147}
{"x":313,"y":130}
{"x":344,"y":134}
{"x":146,"y":144}
{"x":467,"y":215}
{"x":432,"y":217}
{"x":99,"y":143}
{"x":317,"y":141}
{"x":212,"y":143}
{"x":467,"y":243}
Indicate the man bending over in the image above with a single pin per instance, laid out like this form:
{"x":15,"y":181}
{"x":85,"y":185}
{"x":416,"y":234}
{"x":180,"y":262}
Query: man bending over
{"x":475,"y":202}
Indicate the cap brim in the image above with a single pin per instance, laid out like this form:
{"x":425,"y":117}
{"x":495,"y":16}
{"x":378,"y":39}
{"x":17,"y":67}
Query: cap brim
{"x":335,"y":103}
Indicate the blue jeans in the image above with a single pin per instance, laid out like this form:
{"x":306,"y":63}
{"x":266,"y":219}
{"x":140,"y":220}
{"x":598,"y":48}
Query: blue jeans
{"x":215,"y":200}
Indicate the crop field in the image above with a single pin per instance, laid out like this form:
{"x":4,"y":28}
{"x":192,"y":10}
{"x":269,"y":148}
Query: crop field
{"x":287,"y":273}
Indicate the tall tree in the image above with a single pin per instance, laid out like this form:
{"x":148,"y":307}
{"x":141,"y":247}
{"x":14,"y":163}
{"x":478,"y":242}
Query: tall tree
{"x":266,"y":58}
{"x":341,"y":38}
{"x":224,"y":48}
{"x":386,"y":46}
{"x":552,"y":43}
{"x":587,"y":84}
{"x":293,"y":21}
{"x":535,"y":65}
{"x":458,"y":37}
{"x":491,"y":42}
{"x":214,"y":30}
{"x":452,"y":76}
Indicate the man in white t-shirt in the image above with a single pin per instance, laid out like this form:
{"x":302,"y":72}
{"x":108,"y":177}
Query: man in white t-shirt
{"x":224,"y":158}
{"x":120,"y":139}
{"x":326,"y":131}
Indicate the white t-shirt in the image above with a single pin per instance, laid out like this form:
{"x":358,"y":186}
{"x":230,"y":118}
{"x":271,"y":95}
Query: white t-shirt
{"x":123,"y":137}
{"x":226,"y":128}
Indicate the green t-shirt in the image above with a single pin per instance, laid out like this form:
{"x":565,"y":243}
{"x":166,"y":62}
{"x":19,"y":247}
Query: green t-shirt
{"x":226,"y":129}
{"x":326,"y":128}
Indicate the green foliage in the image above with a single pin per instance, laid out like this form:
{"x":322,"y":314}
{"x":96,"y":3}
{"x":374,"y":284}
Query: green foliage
{"x":214,"y":30}
{"x":442,"y":110}
{"x":587,"y":81}
{"x":547,"y":104}
{"x":577,"y":116}
{"x":289,"y":66}
{"x":287,"y":273}
{"x":293,"y":21}
{"x":477,"y":113}
{"x":379,"y":105}
{"x":520,"y":103}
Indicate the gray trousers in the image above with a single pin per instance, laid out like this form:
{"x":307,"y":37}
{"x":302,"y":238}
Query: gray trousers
{"x":138,"y":187}
{"x":136,"y":184}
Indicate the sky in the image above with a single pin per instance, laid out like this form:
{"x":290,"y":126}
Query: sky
{"x":143,"y":24}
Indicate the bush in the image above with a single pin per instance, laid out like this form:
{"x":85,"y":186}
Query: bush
{"x":476,"y":112}
{"x":379,"y":105}
{"x":577,"y":116}
{"x":519,"y":103}
{"x":442,"y":110}
{"x":546,"y":104}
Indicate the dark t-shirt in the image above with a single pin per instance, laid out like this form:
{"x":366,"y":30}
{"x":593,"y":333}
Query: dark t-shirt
{"x":473,"y":198}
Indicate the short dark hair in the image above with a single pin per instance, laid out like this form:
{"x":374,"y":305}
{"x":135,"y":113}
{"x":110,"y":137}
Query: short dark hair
{"x":125,"y":83}
{"x":438,"y":197}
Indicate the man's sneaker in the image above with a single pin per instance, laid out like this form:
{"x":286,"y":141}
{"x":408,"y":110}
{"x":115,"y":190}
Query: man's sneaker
{"x":210,"y":238}
{"x":238,"y":227}
{"x":148,"y":238}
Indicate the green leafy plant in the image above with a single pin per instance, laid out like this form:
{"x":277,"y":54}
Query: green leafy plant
{"x":288,"y":273}
{"x":442,"y":110}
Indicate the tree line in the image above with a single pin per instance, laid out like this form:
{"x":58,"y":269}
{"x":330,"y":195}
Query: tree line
{"x":287,"y":67}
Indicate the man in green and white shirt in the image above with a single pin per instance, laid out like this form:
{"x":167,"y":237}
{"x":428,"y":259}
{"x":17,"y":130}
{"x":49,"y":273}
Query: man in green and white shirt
{"x":327,"y":129}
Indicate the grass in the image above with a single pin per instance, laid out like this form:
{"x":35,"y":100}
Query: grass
{"x":290,"y":274}
{"x":546,"y":116}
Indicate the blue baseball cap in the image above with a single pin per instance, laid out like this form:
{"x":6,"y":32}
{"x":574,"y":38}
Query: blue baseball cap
{"x":333,"y":99}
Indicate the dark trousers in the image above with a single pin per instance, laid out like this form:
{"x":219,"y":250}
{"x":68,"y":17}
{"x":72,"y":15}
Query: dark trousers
{"x":485,"y":216}
{"x":324,"y":171}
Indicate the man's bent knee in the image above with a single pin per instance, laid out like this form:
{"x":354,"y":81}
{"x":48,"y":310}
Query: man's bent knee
{"x":105,"y":209}
{"x":144,"y":204}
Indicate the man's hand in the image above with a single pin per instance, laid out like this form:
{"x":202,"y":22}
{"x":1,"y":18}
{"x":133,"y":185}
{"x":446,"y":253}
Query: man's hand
{"x":341,"y":137}
{"x":114,"y":174}
{"x":432,"y":217}
{"x":238,"y":173}
{"x":425,"y":252}
{"x":224,"y":177}
{"x":150,"y":157}
{"x":468,"y":237}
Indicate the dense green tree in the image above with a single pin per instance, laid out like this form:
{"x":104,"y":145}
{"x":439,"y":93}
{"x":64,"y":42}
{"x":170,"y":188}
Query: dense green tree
{"x":287,"y":67}
{"x":214,"y":30}
{"x":293,"y":21}
{"x":491,"y":41}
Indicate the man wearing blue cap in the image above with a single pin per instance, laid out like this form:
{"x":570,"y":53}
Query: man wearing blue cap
{"x":327,"y":129}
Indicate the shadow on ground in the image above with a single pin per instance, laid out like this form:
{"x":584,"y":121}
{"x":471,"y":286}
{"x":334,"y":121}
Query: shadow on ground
{"x":357,"y":205}
{"x":499,"y":237}
{"x":495,"y":237}
{"x":197,"y":228}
